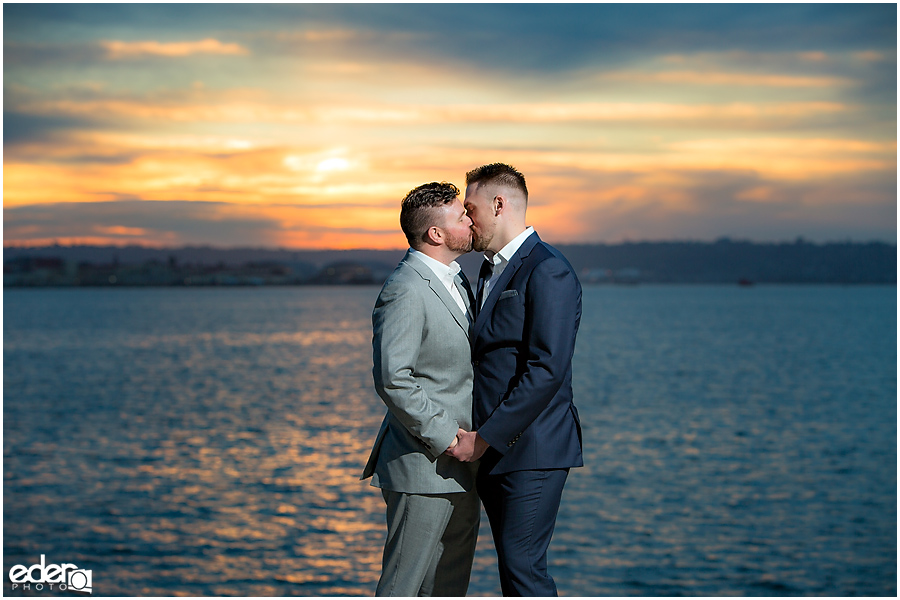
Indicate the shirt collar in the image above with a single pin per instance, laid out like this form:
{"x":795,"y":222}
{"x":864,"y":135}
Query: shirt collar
{"x":444,"y":272}
{"x":507,"y":252}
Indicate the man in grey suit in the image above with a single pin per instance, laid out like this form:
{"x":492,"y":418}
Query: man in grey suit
{"x":423,"y":373}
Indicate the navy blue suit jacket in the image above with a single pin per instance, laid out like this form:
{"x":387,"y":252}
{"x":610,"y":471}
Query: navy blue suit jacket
{"x":522,"y":344}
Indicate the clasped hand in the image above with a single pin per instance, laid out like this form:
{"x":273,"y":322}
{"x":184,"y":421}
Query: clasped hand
{"x":467,"y":447}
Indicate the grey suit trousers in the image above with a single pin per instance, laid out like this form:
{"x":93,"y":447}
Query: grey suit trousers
{"x":430,"y":544}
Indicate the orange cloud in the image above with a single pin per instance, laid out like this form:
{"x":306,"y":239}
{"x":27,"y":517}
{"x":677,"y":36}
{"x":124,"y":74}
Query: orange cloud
{"x":805,"y":163}
{"x":869,"y":56}
{"x":233,"y":108}
{"x":120,"y":231}
{"x":117,"y":49}
{"x":792,"y":146}
{"x":321,"y":35}
{"x":58,"y":183}
{"x":99,"y":167}
{"x":815,"y":56}
{"x":325,"y":226}
{"x":786,"y":158}
{"x":763,"y":193}
{"x":154,"y":241}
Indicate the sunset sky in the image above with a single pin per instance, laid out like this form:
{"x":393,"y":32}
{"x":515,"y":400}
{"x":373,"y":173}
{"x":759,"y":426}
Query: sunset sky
{"x":303,"y":126}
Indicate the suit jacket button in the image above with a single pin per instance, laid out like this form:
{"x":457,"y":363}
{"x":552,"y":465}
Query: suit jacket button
{"x":475,"y":363}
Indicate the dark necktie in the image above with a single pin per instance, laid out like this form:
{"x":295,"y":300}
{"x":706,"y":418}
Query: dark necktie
{"x":470,"y":299}
{"x":487,"y":269}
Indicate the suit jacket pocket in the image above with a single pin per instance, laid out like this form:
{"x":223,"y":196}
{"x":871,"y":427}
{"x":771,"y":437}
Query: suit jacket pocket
{"x":508,"y":318}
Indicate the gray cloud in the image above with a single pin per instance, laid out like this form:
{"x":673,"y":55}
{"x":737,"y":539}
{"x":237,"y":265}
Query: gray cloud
{"x":175,"y":221}
{"x":531,"y":37}
{"x":21,"y":127}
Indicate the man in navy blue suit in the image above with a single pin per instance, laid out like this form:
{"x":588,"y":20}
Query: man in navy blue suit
{"x":526,"y":428}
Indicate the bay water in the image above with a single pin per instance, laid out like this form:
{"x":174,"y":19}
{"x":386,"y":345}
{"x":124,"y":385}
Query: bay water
{"x":738,"y":441}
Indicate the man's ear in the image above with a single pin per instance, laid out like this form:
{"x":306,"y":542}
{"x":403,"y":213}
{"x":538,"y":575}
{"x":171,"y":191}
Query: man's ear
{"x":499,"y":204}
{"x":434,"y":235}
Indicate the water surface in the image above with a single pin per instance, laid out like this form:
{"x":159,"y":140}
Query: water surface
{"x":208,"y":441}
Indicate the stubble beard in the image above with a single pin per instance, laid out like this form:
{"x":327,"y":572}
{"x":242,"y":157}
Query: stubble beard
{"x":461,"y":244}
{"x":480,"y":242}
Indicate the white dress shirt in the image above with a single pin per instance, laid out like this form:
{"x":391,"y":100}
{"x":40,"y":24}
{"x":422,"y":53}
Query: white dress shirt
{"x":501,"y":259}
{"x":447,"y":275}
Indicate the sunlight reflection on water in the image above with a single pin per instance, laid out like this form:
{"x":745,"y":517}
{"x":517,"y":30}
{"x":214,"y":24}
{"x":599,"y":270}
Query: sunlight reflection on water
{"x":209,"y":442}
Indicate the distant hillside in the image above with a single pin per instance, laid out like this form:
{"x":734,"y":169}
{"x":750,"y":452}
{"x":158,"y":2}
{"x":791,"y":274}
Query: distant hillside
{"x":200,"y":255}
{"x":726,"y":261}
{"x":723,"y":261}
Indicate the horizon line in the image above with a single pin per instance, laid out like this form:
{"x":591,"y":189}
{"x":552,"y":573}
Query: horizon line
{"x":729,"y":239}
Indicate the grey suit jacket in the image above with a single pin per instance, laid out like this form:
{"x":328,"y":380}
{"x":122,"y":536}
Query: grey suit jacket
{"x":423,"y":373}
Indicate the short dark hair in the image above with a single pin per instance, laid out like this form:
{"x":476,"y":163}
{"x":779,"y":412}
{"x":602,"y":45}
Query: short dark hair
{"x":498,"y":173}
{"x":416,"y":214}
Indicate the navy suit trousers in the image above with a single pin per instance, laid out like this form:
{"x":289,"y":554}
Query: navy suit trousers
{"x":522,"y":507}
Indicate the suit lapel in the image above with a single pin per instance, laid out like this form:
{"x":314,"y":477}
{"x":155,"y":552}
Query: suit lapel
{"x":496,"y":289}
{"x":465,"y":290}
{"x":438,"y":288}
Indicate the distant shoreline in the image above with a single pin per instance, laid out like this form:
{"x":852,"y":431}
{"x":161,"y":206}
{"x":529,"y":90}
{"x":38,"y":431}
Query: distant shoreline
{"x":720,"y":262}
